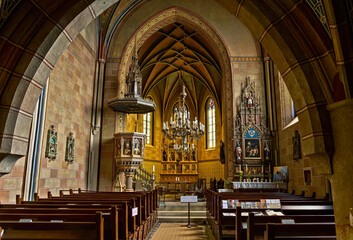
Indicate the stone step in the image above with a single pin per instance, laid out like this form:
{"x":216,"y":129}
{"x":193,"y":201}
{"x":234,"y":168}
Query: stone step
{"x":181,"y":219}
{"x":181,"y":213}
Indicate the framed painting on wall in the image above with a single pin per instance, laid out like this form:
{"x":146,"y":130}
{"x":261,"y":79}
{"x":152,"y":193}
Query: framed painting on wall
{"x":280,"y":173}
{"x":252,"y":148}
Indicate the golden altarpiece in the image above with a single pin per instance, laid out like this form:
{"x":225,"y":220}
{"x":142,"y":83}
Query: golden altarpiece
{"x":180,"y":152}
{"x":252,"y":139}
{"x":179,"y":166}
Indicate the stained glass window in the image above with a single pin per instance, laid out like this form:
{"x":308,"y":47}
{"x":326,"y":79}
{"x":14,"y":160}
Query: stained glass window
{"x":211,"y":123}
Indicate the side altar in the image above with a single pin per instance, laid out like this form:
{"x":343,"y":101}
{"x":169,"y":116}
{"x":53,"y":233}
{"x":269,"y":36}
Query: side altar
{"x":252,"y":139}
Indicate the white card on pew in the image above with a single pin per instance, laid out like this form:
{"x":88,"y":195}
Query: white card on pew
{"x":25,"y":220}
{"x":135,"y":211}
{"x":188,"y":199}
{"x":56,"y":221}
{"x":288,"y":221}
{"x":224,"y":204}
{"x":2,"y":232}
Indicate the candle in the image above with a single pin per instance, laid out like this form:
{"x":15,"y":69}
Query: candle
{"x":152,"y":168}
{"x":262,"y":168}
{"x":246,"y":168}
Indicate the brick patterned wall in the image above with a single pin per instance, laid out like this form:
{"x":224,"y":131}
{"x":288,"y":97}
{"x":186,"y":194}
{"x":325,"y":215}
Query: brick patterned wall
{"x":108,"y":128}
{"x":69,"y":109}
{"x":11,"y":184}
{"x":295,"y":168}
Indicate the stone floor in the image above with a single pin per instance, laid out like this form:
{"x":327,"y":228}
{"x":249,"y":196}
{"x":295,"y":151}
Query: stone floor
{"x":179,"y":231}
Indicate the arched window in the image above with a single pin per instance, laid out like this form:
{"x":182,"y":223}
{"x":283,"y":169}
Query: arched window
{"x":211,"y":123}
{"x":288,"y":111}
{"x":147,"y":127}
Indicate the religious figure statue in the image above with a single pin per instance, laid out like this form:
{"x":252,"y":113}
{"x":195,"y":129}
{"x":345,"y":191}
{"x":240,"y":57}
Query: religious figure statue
{"x":127,"y":147}
{"x":250,"y":100}
{"x":222,"y":157}
{"x":297,"y":154}
{"x":267,"y":152}
{"x":70,"y":148}
{"x":193,"y":156}
{"x":137,"y":148}
{"x":238,"y":151}
{"x":164,"y":155}
{"x":118,"y":146}
{"x":52,"y":138}
{"x":120,"y":183}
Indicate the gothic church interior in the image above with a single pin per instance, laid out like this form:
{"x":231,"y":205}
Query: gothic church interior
{"x":270,"y":81}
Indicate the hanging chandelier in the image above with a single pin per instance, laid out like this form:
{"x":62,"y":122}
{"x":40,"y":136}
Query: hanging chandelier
{"x":179,"y":128}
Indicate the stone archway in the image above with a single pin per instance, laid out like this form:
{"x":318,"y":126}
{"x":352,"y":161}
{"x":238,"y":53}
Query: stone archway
{"x":303,"y":53}
{"x":180,"y":15}
{"x":29,"y":57}
{"x":32,"y":39}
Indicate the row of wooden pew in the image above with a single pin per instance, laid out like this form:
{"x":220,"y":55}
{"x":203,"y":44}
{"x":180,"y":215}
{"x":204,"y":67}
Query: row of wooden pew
{"x":81,"y":215}
{"x":313,"y":219}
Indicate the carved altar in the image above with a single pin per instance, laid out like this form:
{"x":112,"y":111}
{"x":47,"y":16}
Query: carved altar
{"x":129,"y":153}
{"x":252,"y":139}
{"x":179,"y":166}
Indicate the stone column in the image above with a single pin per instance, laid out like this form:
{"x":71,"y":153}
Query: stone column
{"x":129,"y":176}
{"x":342,"y":181}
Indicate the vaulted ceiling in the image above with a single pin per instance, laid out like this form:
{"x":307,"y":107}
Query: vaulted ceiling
{"x":178,"y":55}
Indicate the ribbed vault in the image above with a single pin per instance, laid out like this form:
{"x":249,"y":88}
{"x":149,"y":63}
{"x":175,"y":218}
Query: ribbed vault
{"x":178,"y":55}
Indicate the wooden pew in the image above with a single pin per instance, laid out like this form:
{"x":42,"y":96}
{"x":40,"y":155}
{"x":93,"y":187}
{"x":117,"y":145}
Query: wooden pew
{"x":15,"y":230}
{"x":148,"y":212}
{"x":300,"y":231}
{"x":224,"y":226}
{"x":138,"y":226}
{"x":110,"y":213}
{"x":256,"y":225}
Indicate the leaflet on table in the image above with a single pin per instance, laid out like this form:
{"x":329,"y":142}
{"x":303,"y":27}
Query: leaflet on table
{"x":229,"y":204}
{"x":273,"y":203}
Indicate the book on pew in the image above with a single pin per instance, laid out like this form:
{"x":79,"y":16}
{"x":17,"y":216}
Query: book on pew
{"x":229,"y":204}
{"x":25,"y":220}
{"x":258,"y":214}
{"x":250,"y":205}
{"x":273,"y":213}
{"x":229,"y":214}
{"x":288,"y":221}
